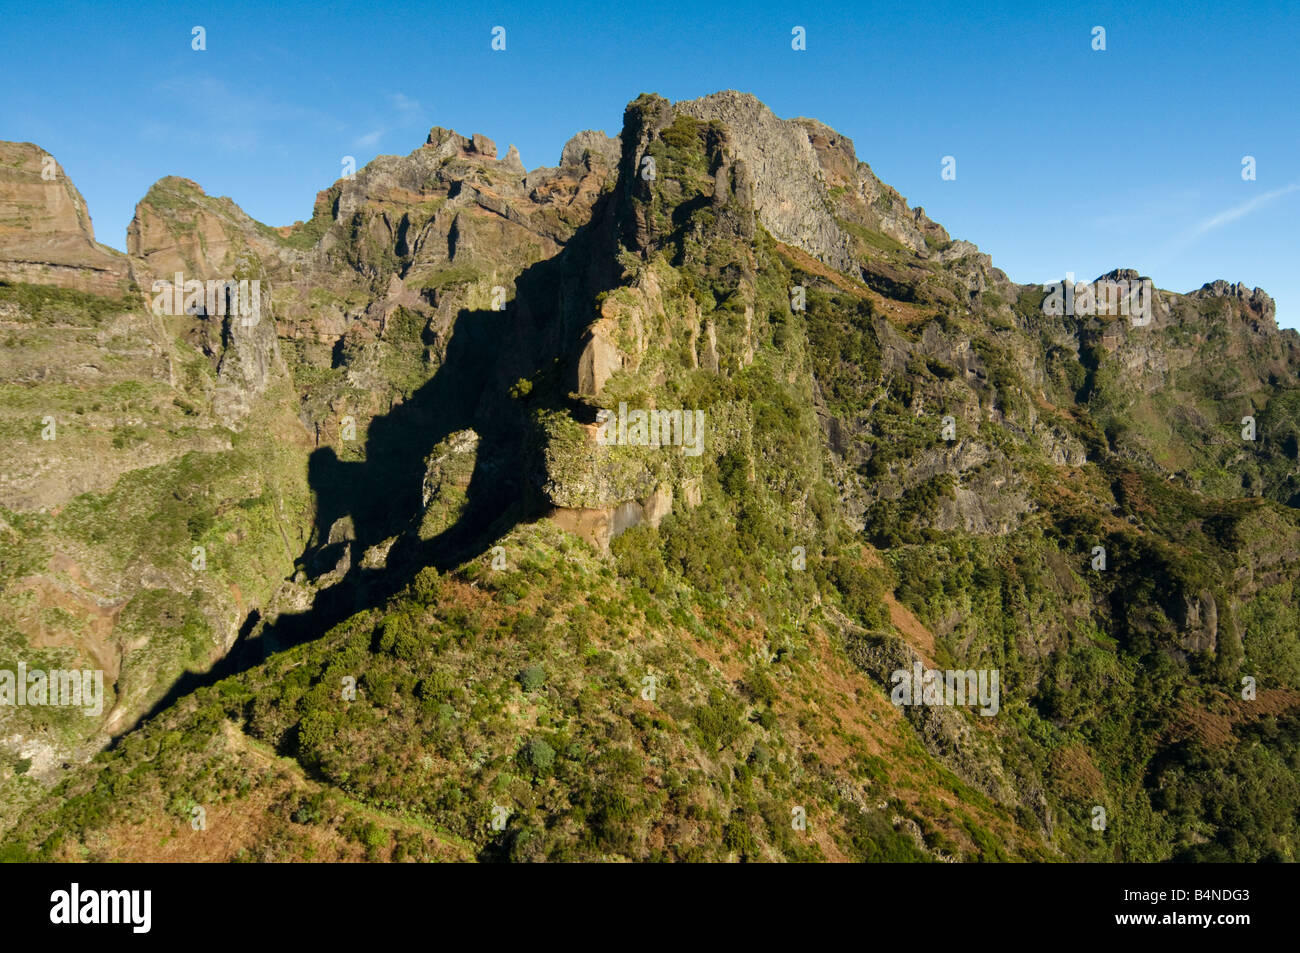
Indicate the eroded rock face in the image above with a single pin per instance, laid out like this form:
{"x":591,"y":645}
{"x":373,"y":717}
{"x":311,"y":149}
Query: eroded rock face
{"x":1198,"y":618}
{"x":46,"y":236}
{"x":383,"y":242}
{"x":1254,"y":298}
{"x":450,"y":464}
{"x":600,"y":358}
{"x":782,"y":165}
{"x":599,"y":526}
{"x":591,"y":147}
{"x":179,"y":228}
{"x":448,"y":470}
{"x":250,"y":361}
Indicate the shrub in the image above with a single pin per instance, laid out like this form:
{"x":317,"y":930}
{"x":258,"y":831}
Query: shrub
{"x":532,"y":678}
{"x":639,"y":557}
{"x":427,"y":586}
{"x":739,"y":838}
{"x":537,"y":755}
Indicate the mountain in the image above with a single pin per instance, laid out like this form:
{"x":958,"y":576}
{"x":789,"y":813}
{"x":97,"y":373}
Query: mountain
{"x":383,"y":563}
{"x":45,"y":232}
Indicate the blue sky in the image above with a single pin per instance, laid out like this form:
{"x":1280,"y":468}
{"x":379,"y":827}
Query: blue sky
{"x":1068,"y":159}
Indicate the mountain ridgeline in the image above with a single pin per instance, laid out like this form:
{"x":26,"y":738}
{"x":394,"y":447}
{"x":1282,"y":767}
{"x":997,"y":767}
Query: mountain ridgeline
{"x":617,"y":510}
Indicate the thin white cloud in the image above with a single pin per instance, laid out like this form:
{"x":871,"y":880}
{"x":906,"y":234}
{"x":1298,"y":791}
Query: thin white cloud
{"x":1132,"y":213}
{"x":1226,"y":217}
{"x":1240,"y":211}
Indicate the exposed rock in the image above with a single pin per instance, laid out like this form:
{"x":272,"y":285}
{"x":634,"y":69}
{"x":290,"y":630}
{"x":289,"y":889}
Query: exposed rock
{"x":1254,"y":298}
{"x":788,"y":187}
{"x":599,"y":359}
{"x":1198,"y":617}
{"x":376,"y":557}
{"x":450,"y":464}
{"x":46,"y":236}
{"x":177,"y":227}
{"x":250,"y":360}
{"x":341,"y":530}
{"x":600,"y":526}
{"x":591,"y":146}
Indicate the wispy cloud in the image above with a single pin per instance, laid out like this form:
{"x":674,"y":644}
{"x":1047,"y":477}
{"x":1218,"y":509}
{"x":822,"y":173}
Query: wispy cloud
{"x":1220,"y":219}
{"x":239,"y":120}
{"x":404,"y":103}
{"x":1239,"y":211}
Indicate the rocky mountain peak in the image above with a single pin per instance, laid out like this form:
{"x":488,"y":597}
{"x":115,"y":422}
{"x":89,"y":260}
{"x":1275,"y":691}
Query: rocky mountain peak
{"x":812,"y":192}
{"x":177,"y":226}
{"x":1120,"y":274}
{"x":1254,"y":298}
{"x":789,"y":181}
{"x":46,"y":236}
{"x":591,"y":145}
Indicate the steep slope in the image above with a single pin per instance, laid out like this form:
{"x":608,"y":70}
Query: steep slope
{"x":513,"y":630}
{"x":45,"y":232}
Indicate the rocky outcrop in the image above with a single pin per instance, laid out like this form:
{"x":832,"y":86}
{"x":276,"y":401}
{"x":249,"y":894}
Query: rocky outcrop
{"x":178,"y":227}
{"x":250,"y":361}
{"x":450,"y":464}
{"x":600,"y":525}
{"x":46,"y":236}
{"x":591,"y":147}
{"x":448,"y":470}
{"x":1255,"y":299}
{"x":811,"y":191}
{"x":789,"y":189}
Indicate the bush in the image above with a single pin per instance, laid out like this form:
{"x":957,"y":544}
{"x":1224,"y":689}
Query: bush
{"x":739,"y":838}
{"x":537,"y":755}
{"x":719,"y":721}
{"x":639,"y":557}
{"x":427,"y":586}
{"x":532,"y":678}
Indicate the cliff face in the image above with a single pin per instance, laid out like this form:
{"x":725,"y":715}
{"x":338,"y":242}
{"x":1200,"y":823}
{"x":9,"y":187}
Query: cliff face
{"x":178,"y":227}
{"x":463,"y":373}
{"x":45,"y":232}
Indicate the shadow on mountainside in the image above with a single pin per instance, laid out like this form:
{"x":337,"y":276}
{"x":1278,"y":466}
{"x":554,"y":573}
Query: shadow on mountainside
{"x":382,"y":494}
